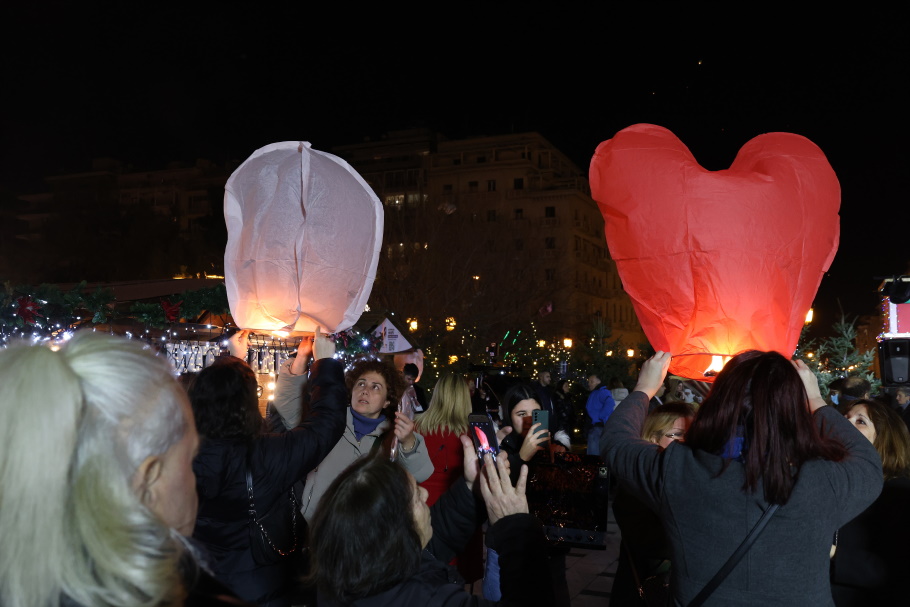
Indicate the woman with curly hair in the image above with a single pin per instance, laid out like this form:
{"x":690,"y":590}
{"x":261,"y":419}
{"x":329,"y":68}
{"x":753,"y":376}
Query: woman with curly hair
{"x":870,"y":555}
{"x":375,"y":388}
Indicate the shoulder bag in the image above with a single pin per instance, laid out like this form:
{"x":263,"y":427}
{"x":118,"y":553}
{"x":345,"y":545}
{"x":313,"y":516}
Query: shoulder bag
{"x":275,"y":535}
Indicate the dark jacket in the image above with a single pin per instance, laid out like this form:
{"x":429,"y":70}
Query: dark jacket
{"x":872,"y":559}
{"x":517,"y":538}
{"x":278,"y":461}
{"x":706,"y":514}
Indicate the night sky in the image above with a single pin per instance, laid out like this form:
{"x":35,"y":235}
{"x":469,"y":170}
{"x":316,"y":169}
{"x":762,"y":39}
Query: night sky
{"x":150,"y":84}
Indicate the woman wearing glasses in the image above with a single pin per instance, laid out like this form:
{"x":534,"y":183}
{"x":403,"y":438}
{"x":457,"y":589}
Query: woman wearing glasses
{"x":644,"y":551}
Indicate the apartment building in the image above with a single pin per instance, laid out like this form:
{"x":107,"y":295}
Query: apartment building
{"x":491,"y":233}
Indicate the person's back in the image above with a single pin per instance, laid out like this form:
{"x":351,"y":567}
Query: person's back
{"x":225,"y":406}
{"x":709,"y":503}
{"x":706,"y":518}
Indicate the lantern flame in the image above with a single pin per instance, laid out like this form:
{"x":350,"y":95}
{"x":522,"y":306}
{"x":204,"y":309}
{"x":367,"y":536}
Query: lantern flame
{"x":717,"y":363}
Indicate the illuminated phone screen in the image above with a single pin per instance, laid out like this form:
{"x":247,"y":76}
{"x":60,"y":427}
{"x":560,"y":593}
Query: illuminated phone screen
{"x":484,"y":437}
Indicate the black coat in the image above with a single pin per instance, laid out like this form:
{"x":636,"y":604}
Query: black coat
{"x":278,"y":461}
{"x":872,"y":559}
{"x":518,"y":539}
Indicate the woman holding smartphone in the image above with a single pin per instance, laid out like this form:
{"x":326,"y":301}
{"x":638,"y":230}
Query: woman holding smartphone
{"x":527,"y":444}
{"x":527,"y":438}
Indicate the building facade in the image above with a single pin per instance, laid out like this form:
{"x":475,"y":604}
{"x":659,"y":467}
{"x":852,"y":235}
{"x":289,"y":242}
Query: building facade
{"x":496,"y":234}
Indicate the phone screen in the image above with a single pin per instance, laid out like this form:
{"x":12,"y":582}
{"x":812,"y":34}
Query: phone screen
{"x":542,"y":417}
{"x":483,"y":434}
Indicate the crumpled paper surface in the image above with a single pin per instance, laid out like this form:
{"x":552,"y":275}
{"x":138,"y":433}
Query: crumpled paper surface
{"x":717,"y":262}
{"x":304,"y":236}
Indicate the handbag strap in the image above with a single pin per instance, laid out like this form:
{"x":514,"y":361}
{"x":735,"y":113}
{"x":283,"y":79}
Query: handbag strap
{"x":639,"y":584}
{"x":724,"y":571}
{"x":249,"y":482}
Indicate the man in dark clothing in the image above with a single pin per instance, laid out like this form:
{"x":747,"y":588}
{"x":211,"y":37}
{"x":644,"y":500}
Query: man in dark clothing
{"x":558,"y":418}
{"x":902,"y":399}
{"x":411,"y":372}
{"x":854,"y":388}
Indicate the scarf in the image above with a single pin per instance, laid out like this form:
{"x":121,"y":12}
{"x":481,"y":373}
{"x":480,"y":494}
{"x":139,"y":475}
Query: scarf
{"x":364,"y":425}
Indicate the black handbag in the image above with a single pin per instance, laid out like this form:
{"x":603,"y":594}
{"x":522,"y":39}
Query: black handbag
{"x":654,"y":590}
{"x":275,"y":535}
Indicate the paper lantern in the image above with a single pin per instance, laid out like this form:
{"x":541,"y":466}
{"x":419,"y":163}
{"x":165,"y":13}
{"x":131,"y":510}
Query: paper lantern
{"x":717,"y":262}
{"x":304,"y":235}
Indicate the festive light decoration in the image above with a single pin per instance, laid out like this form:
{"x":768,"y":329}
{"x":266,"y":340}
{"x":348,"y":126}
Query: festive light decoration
{"x":304,"y":234}
{"x":717,"y":262}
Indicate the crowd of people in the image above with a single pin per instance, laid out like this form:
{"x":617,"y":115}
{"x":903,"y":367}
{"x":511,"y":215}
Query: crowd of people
{"x":121,"y":484}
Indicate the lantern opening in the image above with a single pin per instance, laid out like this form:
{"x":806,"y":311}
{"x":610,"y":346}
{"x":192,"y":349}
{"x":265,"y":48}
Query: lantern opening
{"x":717,"y":363}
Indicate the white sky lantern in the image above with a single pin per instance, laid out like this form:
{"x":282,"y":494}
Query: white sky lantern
{"x":304,"y":235}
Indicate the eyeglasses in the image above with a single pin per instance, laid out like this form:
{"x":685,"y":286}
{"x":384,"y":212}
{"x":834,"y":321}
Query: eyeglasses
{"x":676,"y":435}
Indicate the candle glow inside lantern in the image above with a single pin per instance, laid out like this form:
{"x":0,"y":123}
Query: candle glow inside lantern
{"x":717,"y":262}
{"x":304,"y":235}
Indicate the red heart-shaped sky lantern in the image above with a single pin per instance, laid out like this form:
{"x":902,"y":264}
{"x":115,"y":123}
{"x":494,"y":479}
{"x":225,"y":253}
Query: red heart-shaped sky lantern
{"x":717,"y":262}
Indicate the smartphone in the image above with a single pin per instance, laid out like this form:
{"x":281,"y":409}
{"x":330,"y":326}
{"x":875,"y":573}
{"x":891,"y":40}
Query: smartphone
{"x":543,"y":418}
{"x":483,"y":433}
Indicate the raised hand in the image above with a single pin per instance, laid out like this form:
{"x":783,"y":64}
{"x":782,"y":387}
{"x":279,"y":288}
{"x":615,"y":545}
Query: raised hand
{"x":500,"y":497}
{"x":652,"y":374}
{"x":810,"y":383}
{"x":532,"y":442}
{"x":239,"y":343}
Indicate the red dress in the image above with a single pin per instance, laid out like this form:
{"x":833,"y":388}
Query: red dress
{"x":447,"y":455}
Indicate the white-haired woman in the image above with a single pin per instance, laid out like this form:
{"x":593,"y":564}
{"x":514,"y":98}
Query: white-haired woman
{"x":96,"y":481}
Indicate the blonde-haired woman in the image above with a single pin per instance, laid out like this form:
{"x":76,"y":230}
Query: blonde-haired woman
{"x":644,"y":550}
{"x":96,"y":482}
{"x":444,"y":421}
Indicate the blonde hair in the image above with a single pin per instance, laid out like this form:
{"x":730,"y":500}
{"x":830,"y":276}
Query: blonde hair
{"x":449,"y":407}
{"x":662,"y":417}
{"x":74,"y":427}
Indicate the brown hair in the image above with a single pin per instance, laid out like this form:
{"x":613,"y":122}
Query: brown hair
{"x":758,"y":399}
{"x":892,"y":439}
{"x":394,"y":381}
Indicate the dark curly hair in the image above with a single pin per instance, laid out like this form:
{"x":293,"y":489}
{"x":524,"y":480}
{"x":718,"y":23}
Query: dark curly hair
{"x":225,"y":401}
{"x":394,"y":381}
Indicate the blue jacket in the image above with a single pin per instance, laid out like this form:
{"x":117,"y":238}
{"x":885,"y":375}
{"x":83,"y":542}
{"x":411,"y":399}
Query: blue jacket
{"x":600,"y":404}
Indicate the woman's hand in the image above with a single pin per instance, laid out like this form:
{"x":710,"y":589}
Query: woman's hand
{"x":304,"y":351}
{"x":500,"y":497}
{"x":652,"y":374}
{"x":532,"y":442}
{"x":810,"y":383}
{"x":404,"y":430}
{"x":239,"y":344}
{"x":472,"y":464}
